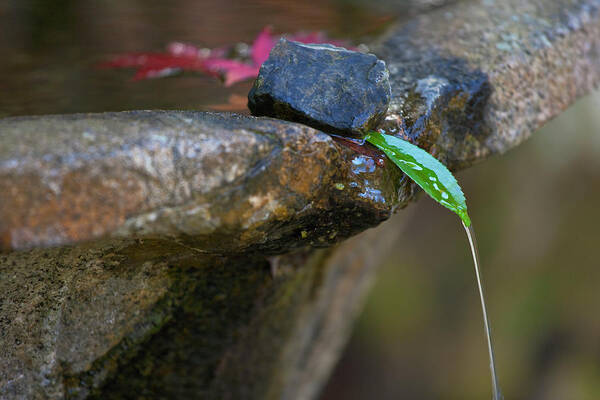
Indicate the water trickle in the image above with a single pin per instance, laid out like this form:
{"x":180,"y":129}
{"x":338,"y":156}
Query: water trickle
{"x":439,"y":183}
{"x":497,"y":395}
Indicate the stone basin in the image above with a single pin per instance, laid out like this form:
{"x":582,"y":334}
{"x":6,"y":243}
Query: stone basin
{"x":172,"y":253}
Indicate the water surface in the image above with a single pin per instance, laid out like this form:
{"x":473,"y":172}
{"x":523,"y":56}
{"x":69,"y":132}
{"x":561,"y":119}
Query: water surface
{"x":50,"y":48}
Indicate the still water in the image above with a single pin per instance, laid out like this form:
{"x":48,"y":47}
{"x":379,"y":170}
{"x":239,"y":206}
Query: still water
{"x":50,"y":49}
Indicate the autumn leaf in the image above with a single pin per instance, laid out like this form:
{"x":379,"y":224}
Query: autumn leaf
{"x":219,"y":62}
{"x":262,"y":46}
{"x":235,"y":102}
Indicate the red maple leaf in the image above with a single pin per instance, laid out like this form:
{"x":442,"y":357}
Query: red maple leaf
{"x":215,"y":62}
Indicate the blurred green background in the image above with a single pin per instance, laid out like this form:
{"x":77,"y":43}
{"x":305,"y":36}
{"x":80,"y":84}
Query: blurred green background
{"x":535,"y":209}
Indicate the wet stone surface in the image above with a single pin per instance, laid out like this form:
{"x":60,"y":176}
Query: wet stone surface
{"x":221,"y":183}
{"x":477,"y":78}
{"x":324,"y":86}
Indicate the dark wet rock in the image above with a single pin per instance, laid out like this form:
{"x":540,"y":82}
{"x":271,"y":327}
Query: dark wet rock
{"x":324,"y":86}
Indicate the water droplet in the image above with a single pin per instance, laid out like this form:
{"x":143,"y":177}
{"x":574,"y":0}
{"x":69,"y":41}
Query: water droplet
{"x":414,"y":166}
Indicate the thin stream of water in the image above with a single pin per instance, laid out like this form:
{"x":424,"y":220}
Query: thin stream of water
{"x":497,"y":395}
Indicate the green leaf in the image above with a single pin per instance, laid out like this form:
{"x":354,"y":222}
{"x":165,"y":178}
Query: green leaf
{"x":433,"y":176}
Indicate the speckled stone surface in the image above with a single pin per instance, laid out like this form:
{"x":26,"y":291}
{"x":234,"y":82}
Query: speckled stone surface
{"x":162,"y":320}
{"x":220,"y":183}
{"x":477,"y":78}
{"x":324,"y":86}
